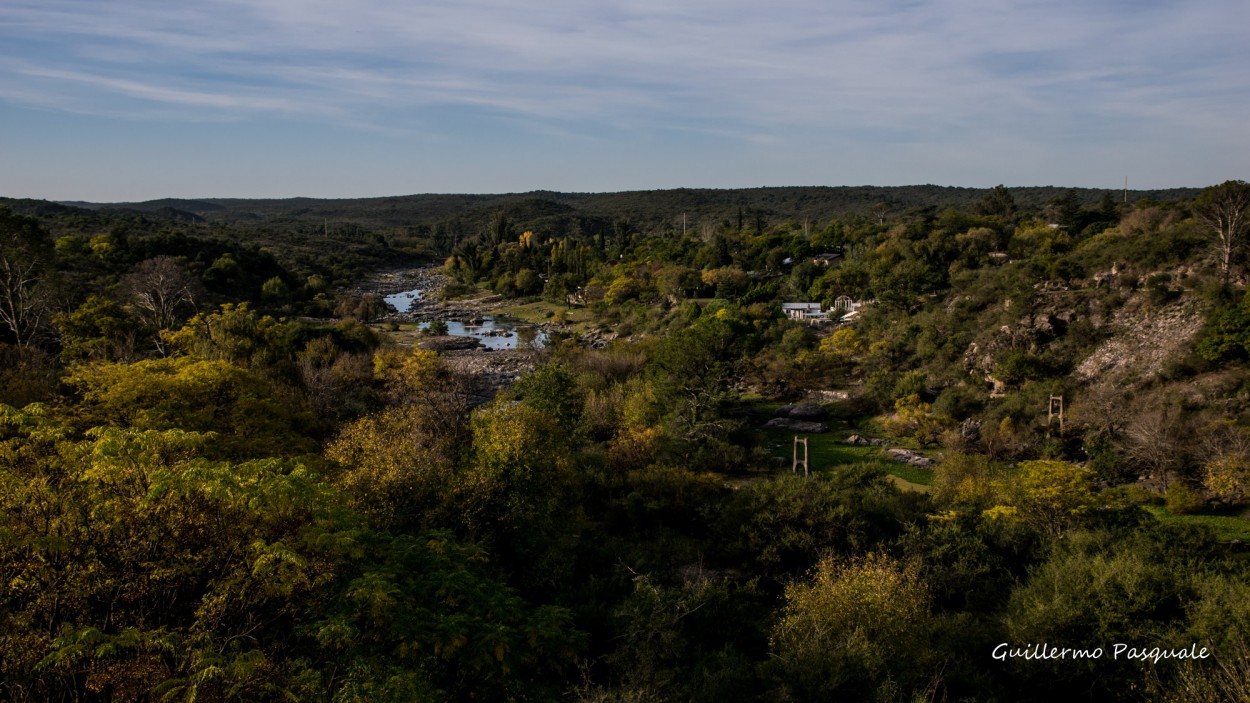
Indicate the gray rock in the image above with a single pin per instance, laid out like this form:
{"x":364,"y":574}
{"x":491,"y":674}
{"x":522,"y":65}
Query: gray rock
{"x":806,"y":411}
{"x":784,"y":423}
{"x":907,"y":456}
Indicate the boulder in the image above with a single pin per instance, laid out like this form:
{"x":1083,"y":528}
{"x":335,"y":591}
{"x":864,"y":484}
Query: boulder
{"x":907,"y":456}
{"x":806,"y":411}
{"x":800,"y":411}
{"x":801,"y":426}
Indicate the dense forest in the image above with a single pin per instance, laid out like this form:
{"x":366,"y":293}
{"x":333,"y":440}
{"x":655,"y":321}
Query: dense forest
{"x":227,"y":474}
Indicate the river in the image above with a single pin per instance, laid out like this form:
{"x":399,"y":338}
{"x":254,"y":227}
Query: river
{"x":490,"y":331}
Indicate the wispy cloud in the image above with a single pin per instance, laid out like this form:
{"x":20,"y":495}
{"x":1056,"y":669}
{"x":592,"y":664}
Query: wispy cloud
{"x":943,"y":72}
{"x":798,"y":62}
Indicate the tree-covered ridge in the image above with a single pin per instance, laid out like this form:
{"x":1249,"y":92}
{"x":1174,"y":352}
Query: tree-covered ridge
{"x":218,"y":482}
{"x":403,"y":220}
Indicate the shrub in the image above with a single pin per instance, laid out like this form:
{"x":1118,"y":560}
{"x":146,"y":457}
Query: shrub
{"x":1182,"y":500}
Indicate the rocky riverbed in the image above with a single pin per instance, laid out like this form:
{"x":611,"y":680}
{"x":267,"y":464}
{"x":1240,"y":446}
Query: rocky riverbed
{"x":492,"y":369}
{"x":388,"y":282}
{"x":429,"y":280}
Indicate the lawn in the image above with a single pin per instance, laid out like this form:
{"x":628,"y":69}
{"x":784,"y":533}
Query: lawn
{"x":1225,"y":527}
{"x":828,"y":452}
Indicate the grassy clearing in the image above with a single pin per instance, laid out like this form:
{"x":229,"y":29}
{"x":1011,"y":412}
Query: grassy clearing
{"x":1225,"y":527}
{"x":406,"y":333}
{"x":912,"y":474}
{"x":828,"y":452}
{"x":541,"y":311}
{"x":905,"y":485}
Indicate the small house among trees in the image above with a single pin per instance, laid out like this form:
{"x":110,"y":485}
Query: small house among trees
{"x":810,"y":313}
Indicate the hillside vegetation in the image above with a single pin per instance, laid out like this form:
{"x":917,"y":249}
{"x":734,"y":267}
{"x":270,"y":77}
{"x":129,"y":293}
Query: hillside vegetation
{"x":221,"y":479}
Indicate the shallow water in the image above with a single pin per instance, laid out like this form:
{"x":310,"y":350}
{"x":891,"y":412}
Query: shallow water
{"x":513,"y":337}
{"x":403,"y":300}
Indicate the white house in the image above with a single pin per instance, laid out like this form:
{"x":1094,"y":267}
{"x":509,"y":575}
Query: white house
{"x":806,"y":312}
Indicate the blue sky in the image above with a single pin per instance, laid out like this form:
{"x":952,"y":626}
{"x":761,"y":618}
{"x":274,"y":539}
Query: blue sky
{"x":113,"y":100}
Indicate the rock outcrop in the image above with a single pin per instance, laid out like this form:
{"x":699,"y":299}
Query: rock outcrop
{"x":1144,"y":338}
{"x":791,"y":425}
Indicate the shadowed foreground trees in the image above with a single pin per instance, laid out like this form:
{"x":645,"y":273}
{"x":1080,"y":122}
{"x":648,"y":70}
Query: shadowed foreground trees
{"x":138,"y":567}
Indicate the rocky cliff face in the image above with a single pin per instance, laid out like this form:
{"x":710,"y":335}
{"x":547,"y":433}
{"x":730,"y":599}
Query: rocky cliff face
{"x":1103,"y":339}
{"x":1143,"y":338}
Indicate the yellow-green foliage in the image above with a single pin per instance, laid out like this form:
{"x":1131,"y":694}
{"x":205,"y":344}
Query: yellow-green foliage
{"x":130,"y":558}
{"x":621,"y":289}
{"x":399,"y":461}
{"x":233,"y":333}
{"x":521,"y":472}
{"x":966,"y":480}
{"x":851,"y":619}
{"x":843,"y":345}
{"x":726,"y":278}
{"x":394,"y":464}
{"x":915,"y":419}
{"x":1228,"y":477}
{"x":1050,"y":496}
{"x":191,"y":394}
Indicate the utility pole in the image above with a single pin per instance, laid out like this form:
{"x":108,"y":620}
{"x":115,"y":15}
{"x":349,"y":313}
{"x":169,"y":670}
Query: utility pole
{"x":1126,"y":190}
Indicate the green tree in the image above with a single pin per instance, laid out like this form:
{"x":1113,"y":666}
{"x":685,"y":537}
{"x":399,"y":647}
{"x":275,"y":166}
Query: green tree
{"x":275,"y":290}
{"x":1228,"y":333}
{"x":98,"y":330}
{"x":915,"y":419}
{"x":528,"y":282}
{"x":138,"y":567}
{"x":237,"y":334}
{"x":1051,"y":496}
{"x":400,"y":462}
{"x":186,"y":393}
{"x":998,"y":202}
{"x":853,"y":628}
{"x":520,"y":489}
{"x":693,"y":368}
{"x":1092,"y":590}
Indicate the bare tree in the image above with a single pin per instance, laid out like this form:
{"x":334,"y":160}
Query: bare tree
{"x":1158,"y":442}
{"x":880,"y":210}
{"x":24,"y":256}
{"x":1226,"y":209}
{"x":162,"y":291}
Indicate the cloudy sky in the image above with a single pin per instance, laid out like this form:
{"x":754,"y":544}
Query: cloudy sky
{"x":138,"y":99}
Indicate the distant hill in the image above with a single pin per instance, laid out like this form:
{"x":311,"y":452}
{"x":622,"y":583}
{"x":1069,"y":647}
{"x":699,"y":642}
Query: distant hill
{"x":643,"y":210}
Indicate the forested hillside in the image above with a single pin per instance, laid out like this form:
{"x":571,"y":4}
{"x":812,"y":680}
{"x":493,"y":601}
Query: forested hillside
{"x":227,"y":472}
